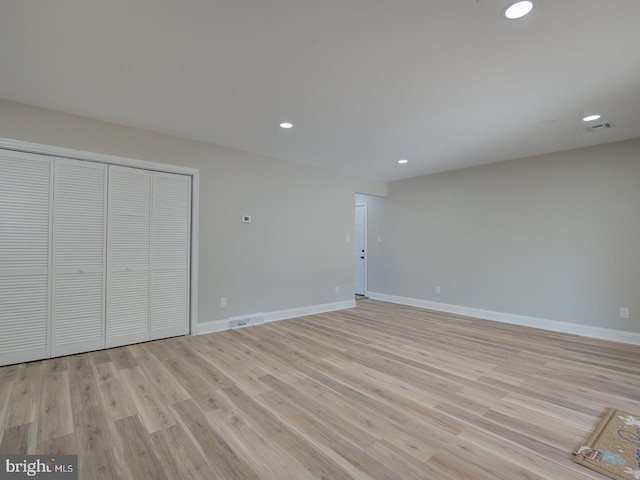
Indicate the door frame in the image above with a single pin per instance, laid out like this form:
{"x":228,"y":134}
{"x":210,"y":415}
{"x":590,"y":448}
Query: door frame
{"x":366,"y":249}
{"x":194,"y":173}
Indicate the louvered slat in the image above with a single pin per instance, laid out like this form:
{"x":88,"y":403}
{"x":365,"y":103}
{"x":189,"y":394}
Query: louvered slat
{"x":23,"y":303}
{"x":171,"y":220}
{"x":24,"y":210}
{"x":79,"y":310}
{"x":127,"y":308}
{"x":79,"y":214}
{"x":129,"y":216}
{"x":169,"y":303}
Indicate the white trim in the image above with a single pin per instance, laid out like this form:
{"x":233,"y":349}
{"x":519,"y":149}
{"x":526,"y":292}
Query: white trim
{"x":213,"y":326}
{"x":29,"y":147}
{"x":366,"y":247}
{"x":220,"y":325}
{"x":310,"y":310}
{"x":50,"y":269}
{"x":195,"y":215}
{"x":541,"y":323}
{"x":61,"y":152}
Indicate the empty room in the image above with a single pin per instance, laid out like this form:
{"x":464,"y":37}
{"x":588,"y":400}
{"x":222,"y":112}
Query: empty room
{"x":320,"y":240}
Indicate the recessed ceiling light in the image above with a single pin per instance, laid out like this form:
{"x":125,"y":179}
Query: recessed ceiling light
{"x":286,"y":125}
{"x":517,"y":9}
{"x":591,"y":118}
{"x":403,"y":161}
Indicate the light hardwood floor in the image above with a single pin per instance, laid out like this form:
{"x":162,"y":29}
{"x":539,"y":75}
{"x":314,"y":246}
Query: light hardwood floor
{"x":377,"y":392}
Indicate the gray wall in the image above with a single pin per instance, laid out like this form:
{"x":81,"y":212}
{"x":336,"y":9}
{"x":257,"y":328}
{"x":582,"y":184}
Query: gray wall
{"x":555,"y":237}
{"x":293,"y":253}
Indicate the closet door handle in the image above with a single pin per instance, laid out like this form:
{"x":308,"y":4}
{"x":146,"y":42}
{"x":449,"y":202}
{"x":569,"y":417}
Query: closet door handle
{"x":81,"y":270}
{"x":128,"y":269}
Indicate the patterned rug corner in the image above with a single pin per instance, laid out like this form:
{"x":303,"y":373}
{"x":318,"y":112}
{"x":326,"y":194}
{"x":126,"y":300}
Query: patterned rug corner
{"x":613,"y":448}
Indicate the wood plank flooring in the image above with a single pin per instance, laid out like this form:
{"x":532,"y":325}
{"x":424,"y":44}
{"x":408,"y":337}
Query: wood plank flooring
{"x":381,"y":391}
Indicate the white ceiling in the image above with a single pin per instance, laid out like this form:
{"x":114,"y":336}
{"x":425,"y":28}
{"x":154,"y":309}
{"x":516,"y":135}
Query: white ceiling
{"x":444,"y":83}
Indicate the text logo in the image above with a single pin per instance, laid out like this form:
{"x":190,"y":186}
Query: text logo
{"x":44,"y":467}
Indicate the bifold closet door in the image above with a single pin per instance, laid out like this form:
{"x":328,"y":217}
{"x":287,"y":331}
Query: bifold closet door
{"x":79,"y":241}
{"x":170,"y":254}
{"x":91,"y":256}
{"x":148,"y":255}
{"x":128,"y":255}
{"x":25,"y":218}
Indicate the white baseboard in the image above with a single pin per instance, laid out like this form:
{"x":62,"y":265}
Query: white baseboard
{"x":220,"y":325}
{"x":541,"y":323}
{"x":212,"y":327}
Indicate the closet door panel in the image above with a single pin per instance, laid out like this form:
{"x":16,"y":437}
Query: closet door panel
{"x":171,"y":220}
{"x":25,"y":190}
{"x":23,"y":318}
{"x":129,"y":217}
{"x":128,"y":251}
{"x":25,"y":218}
{"x":170,"y":254}
{"x":128,"y":308}
{"x":80,"y":190}
{"x":78,"y":313}
{"x":169,"y":303}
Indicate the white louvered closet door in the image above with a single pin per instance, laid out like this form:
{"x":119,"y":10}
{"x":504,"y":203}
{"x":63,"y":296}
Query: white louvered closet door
{"x":128,"y":251}
{"x":79,"y":240}
{"x":25,"y":218}
{"x":170,"y":254}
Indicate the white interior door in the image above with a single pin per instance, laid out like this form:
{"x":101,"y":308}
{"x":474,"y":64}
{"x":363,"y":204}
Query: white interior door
{"x":128,"y":252}
{"x":79,"y":240}
{"x":360,"y":246}
{"x":25,"y":218}
{"x":170,"y":248}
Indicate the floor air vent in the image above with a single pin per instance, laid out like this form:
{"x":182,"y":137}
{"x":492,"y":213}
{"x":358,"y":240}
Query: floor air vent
{"x":245,"y":321}
{"x":599,"y":126}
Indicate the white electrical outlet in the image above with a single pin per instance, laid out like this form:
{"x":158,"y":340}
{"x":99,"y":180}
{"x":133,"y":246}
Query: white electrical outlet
{"x":438,"y":290}
{"x":624,"y":312}
{"x":223,"y":302}
{"x":337,"y":289}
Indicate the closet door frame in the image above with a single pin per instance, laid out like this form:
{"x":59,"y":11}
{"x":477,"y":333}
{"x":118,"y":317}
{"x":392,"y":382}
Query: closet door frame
{"x":194,"y":173}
